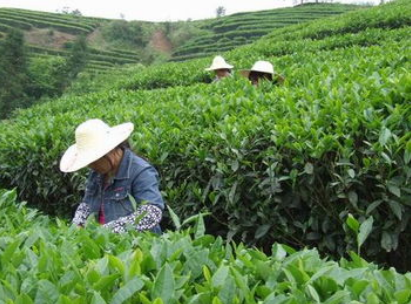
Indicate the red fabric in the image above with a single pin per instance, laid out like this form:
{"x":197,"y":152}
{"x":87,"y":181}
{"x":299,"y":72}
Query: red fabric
{"x":101,"y":217}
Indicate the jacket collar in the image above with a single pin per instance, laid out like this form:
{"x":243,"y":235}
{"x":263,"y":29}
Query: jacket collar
{"x":124,"y":169}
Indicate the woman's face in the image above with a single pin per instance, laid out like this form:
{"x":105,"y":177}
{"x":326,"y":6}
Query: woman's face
{"x":102,"y":165}
{"x":222,"y":73}
{"x":108,"y":163}
{"x":255,"y":77}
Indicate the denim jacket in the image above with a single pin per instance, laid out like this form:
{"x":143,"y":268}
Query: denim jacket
{"x":135,"y":177}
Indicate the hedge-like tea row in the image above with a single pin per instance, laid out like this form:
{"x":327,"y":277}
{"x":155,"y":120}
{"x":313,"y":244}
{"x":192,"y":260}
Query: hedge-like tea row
{"x":284,"y":164}
{"x":191,"y":72}
{"x":15,"y":23}
{"x":364,"y":27}
{"x":393,"y":15}
{"x":71,"y":29}
{"x":93,"y":56}
{"x":47,"y":18}
{"x":82,"y":20}
{"x":290,"y":12}
{"x":120,"y":55}
{"x":48,"y":262}
{"x":241,"y":25}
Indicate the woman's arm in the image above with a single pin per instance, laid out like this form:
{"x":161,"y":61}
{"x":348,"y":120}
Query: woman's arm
{"x":81,"y":215}
{"x":145,"y":188}
{"x":149,"y":216}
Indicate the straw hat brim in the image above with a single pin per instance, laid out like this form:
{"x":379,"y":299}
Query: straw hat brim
{"x":221,"y":67}
{"x":74,"y":159}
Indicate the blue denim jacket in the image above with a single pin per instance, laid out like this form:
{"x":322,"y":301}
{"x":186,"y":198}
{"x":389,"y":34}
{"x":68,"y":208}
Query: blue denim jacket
{"x":135,"y":177}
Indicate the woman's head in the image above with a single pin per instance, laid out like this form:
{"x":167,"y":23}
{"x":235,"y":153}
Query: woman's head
{"x":220,"y":67}
{"x":261,"y":70}
{"x":256,"y":77}
{"x":221,"y":73}
{"x":111,"y":160}
{"x":94,"y":140}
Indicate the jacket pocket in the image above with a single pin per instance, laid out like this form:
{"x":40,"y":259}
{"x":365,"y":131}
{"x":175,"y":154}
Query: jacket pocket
{"x":121,"y":203}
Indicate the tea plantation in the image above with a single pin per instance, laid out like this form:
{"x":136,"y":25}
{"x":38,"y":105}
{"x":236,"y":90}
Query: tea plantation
{"x":33,"y":21}
{"x":293,"y":164}
{"x":46,"y":261}
{"x":227,"y":33}
{"x":220,"y":34}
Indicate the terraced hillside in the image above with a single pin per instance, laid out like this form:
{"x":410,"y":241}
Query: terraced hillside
{"x":243,"y":28}
{"x":49,"y":34}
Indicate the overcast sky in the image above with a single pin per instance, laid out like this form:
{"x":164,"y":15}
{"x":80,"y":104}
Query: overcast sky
{"x":154,"y":10}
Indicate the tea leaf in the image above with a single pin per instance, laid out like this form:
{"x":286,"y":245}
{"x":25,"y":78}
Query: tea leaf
{"x":127,"y":291}
{"x":365,"y":230}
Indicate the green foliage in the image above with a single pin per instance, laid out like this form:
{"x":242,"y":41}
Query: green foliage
{"x":283,"y":164}
{"x":46,"y":77}
{"x":244,"y":28}
{"x":78,"y":58}
{"x":193,"y":39}
{"x":182,"y":31}
{"x":24,"y":19}
{"x":13,"y":67}
{"x":123,"y":32}
{"x":92,"y":80}
{"x":66,"y":23}
{"x":362,"y":232}
{"x":48,"y":261}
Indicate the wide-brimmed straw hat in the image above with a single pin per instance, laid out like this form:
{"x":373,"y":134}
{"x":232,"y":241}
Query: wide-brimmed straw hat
{"x":261,"y":67}
{"x":94,"y":139}
{"x":218,"y":64}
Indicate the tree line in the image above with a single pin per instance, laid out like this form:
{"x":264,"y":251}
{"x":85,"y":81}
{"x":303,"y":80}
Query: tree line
{"x":25,"y":80}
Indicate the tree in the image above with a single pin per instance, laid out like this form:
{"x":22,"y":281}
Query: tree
{"x":67,"y":11}
{"x":77,"y":59}
{"x":13,"y":73}
{"x":123,"y":32}
{"x":45,"y":76}
{"x":220,"y":11}
{"x":76,"y":12}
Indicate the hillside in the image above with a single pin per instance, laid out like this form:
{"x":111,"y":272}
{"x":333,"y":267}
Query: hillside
{"x":286,"y":164}
{"x":51,"y":34}
{"x":227,"y":33}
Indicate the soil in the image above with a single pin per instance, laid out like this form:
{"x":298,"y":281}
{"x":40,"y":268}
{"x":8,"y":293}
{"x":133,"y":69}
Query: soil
{"x":160,"y":42}
{"x":95,"y":38}
{"x":47,"y":38}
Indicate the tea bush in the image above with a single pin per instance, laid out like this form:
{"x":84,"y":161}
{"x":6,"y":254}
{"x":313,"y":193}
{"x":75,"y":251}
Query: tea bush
{"x":282,"y":164}
{"x":47,"y":261}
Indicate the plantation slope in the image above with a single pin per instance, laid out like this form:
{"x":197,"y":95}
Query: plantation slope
{"x":227,"y":33}
{"x":283,"y":164}
{"x":361,"y":27}
{"x":47,"y":261}
{"x":52,"y":34}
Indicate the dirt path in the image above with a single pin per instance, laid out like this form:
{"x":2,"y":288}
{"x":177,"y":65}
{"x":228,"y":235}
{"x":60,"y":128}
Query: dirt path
{"x":160,"y":42}
{"x":46,"y":38}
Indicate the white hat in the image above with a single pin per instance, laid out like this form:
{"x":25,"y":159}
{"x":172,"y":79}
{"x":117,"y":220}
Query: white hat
{"x":94,"y":139}
{"x":260,"y":66}
{"x":218,"y":64}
